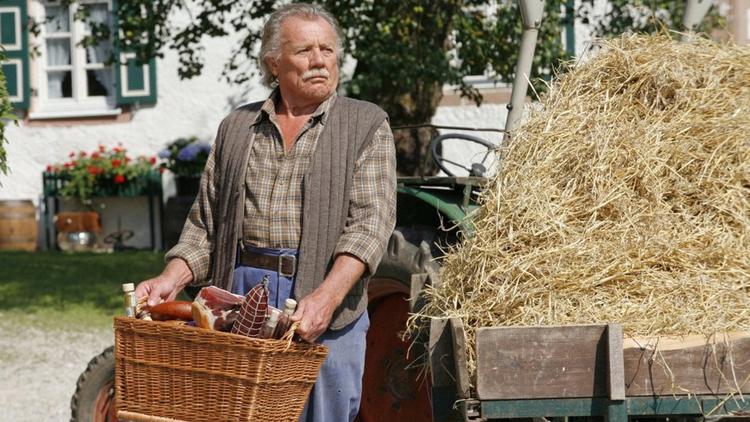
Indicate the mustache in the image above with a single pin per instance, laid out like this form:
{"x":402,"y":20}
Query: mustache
{"x":312,"y":73}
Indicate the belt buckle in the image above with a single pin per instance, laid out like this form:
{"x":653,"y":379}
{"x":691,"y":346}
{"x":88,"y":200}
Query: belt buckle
{"x":281,"y":266}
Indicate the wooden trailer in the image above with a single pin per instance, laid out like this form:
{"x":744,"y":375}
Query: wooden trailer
{"x":585,"y":371}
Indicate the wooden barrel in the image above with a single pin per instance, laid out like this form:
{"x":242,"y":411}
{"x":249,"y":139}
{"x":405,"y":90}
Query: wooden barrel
{"x":18,"y":229}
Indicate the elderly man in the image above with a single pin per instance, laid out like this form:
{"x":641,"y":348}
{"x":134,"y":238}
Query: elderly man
{"x":299,"y":190}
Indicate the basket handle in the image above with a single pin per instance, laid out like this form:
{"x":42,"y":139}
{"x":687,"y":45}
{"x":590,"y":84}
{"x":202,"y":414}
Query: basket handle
{"x":289,"y":334}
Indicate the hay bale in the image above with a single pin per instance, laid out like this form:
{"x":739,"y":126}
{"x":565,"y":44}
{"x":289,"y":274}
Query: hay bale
{"x":624,"y":198}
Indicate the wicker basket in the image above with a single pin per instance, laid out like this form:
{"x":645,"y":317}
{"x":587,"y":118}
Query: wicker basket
{"x":167,"y":372}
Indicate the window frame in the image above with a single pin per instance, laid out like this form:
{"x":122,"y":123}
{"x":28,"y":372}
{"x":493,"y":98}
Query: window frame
{"x":80,"y":104}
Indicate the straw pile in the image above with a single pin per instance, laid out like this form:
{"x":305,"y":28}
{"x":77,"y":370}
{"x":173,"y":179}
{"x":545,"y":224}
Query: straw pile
{"x":624,"y":198}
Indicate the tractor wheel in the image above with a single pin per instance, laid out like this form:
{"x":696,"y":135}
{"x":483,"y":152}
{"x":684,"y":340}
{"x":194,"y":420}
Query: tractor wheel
{"x":94,"y":399}
{"x":392,"y":389}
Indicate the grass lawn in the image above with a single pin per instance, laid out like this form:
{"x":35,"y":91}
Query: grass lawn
{"x":81,"y":289}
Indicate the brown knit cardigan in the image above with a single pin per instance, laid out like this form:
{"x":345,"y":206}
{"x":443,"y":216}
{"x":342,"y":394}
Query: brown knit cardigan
{"x":349,"y":128}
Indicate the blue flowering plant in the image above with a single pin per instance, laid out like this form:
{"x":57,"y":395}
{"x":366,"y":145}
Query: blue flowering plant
{"x":185,"y":157}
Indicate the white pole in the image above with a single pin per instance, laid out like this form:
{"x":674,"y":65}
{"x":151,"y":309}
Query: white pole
{"x":694,"y":13}
{"x":531,"y":14}
{"x":738,"y":21}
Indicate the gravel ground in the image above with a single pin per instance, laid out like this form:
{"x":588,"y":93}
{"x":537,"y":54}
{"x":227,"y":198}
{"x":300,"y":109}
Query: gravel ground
{"x":39,"y":368}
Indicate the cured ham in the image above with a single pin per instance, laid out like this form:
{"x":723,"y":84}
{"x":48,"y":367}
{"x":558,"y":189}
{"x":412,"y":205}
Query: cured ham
{"x":216,"y":309}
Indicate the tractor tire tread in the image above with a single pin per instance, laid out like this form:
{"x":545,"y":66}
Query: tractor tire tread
{"x":104,"y":360}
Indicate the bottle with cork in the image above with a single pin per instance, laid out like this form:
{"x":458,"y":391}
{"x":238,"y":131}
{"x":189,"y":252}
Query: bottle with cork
{"x":269,"y":328}
{"x":290,"y":305}
{"x":131,"y":302}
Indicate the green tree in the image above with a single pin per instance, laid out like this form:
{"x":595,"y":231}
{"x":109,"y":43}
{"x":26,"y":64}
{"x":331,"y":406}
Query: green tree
{"x":406,"y":50}
{"x":6,"y":115}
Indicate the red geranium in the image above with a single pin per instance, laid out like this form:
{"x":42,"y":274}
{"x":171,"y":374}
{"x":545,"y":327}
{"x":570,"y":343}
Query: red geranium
{"x":93,"y":172}
{"x":152,"y":160}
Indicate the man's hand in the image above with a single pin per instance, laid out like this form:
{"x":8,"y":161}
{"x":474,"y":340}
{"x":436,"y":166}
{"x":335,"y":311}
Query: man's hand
{"x":314,"y":313}
{"x":165,"y":286}
{"x":315,"y":310}
{"x":158,"y":289}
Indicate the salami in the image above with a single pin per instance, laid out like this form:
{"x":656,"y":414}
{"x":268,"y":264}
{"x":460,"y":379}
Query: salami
{"x":253,"y":312}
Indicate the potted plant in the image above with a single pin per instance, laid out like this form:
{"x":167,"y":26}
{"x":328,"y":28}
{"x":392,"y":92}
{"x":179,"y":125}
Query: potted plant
{"x":103,"y":172}
{"x":186,"y":158}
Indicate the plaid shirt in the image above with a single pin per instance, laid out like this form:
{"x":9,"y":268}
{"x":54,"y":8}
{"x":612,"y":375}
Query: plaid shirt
{"x":273,"y":194}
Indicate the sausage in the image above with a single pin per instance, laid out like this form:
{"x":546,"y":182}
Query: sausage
{"x":253,"y":312}
{"x":179,"y":310}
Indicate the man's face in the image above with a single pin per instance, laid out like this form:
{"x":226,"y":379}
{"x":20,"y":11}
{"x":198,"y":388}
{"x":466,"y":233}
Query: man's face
{"x":307,"y":67}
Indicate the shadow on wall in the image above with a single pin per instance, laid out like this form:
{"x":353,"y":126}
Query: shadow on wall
{"x":245,"y":94}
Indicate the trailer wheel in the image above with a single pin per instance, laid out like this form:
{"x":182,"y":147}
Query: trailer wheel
{"x":392,"y":389}
{"x":94,"y":399}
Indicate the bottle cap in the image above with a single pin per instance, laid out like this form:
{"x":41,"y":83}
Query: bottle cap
{"x":128,"y":287}
{"x":290,"y":304}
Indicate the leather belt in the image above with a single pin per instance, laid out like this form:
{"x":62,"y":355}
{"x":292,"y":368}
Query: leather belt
{"x":284,"y":264}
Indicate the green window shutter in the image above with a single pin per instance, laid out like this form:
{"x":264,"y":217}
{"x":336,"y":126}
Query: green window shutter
{"x":134,"y":82}
{"x":14,"y":37}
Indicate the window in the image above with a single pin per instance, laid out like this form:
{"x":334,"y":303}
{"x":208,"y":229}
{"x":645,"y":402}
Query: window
{"x":14,"y":41}
{"x":65,"y":78}
{"x":73,"y":79}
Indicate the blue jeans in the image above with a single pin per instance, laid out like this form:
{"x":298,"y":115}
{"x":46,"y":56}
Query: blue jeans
{"x":280,"y":288}
{"x":336,"y":395}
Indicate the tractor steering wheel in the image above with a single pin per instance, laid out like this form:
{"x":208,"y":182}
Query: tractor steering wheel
{"x":476,"y":169}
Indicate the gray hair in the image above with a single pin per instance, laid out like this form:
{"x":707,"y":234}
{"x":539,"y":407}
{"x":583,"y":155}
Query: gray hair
{"x":270,"y":44}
